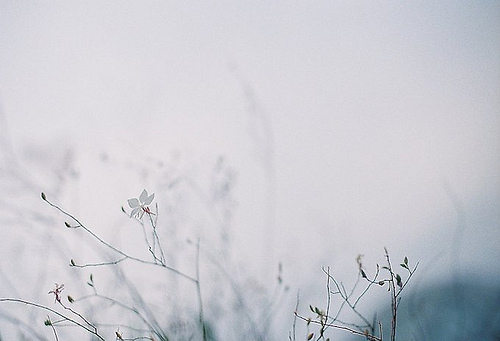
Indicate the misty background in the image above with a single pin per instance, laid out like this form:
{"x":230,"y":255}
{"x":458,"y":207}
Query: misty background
{"x":289,"y":132}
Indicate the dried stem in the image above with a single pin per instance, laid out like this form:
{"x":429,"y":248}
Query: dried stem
{"x":369,"y":329}
{"x":109,"y":246}
{"x":92,"y":330}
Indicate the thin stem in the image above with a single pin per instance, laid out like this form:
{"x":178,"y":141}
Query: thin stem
{"x":69,"y":319}
{"x":338,"y":326}
{"x":73,"y":264}
{"x":118,"y":303}
{"x":410,"y":274}
{"x":156,"y":238}
{"x":114,"y":248}
{"x":198,"y":290}
{"x":295,"y":319}
{"x":343,"y":293}
{"x":53,"y":328}
{"x":79,"y":315}
{"x":394,"y":305}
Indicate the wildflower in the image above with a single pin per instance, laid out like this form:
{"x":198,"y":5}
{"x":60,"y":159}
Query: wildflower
{"x":139,"y":206}
{"x":57,"y":292}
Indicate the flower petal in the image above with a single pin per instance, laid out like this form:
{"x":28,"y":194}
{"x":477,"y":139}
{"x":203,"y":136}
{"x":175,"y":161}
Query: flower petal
{"x":149,"y":199}
{"x":144,"y":196}
{"x":133,"y":203}
{"x":134,"y":212}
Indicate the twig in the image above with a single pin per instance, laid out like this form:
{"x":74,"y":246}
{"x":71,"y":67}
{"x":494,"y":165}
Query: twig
{"x":198,"y":290}
{"x":394,"y":305}
{"x":342,"y":327}
{"x":79,"y":224}
{"x":53,"y":328}
{"x":295,"y":319}
{"x":66,"y":318}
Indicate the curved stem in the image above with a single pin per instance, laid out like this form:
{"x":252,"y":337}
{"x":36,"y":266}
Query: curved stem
{"x":108,"y":245}
{"x":66,"y":318}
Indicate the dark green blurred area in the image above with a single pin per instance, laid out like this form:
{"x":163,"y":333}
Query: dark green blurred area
{"x":452,"y":311}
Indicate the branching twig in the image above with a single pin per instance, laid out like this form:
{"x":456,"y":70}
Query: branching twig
{"x":152,"y":247}
{"x":324,"y":320}
{"x":341,"y":327}
{"x":109,"y":246}
{"x":92,"y":331}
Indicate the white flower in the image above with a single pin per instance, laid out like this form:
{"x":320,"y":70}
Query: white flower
{"x":139,"y":206}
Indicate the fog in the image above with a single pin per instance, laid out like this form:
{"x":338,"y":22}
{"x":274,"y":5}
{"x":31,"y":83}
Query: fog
{"x":329,"y":130}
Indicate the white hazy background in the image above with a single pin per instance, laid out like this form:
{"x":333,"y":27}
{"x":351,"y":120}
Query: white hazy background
{"x":348,"y":126}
